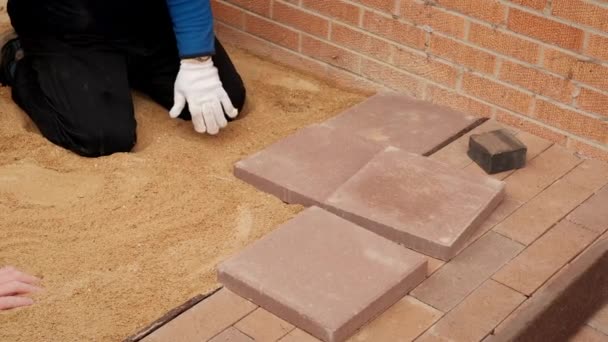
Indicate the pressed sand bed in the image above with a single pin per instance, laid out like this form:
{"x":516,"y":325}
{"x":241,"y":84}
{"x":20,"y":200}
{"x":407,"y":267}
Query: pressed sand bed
{"x":121,"y":240}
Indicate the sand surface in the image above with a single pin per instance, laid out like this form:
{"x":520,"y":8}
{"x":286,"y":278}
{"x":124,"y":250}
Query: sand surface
{"x":121,"y":240}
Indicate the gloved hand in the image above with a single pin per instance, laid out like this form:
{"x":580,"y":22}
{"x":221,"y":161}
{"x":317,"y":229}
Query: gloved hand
{"x":198,"y":83}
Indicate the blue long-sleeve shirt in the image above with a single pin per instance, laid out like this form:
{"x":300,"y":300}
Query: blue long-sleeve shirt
{"x":193,"y":26}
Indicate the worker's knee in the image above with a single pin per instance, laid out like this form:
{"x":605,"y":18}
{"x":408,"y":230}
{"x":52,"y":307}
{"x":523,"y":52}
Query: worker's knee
{"x":105,"y":141}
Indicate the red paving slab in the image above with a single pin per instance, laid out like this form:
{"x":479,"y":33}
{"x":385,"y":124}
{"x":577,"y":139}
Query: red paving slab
{"x":391,"y":119}
{"x":461,"y":276}
{"x":307,"y":166}
{"x":323,"y":274}
{"x":418,"y":202}
{"x":205,"y":320}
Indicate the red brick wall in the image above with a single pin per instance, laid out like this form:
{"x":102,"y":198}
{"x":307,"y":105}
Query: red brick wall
{"x":541,"y":65}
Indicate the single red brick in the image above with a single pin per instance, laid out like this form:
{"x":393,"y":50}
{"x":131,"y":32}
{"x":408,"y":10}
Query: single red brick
{"x":295,"y":168}
{"x":429,"y":68}
{"x":360,"y":42}
{"x":392,"y":119}
{"x":261,"y":325}
{"x":535,"y":265}
{"x":536,"y":4}
{"x":504,"y":42}
{"x":418,"y":213}
{"x":462,"y":54}
{"x":571,"y":67}
{"x":451,"y":99}
{"x":545,"y":29}
{"x":260,"y":7}
{"x":531,"y":126}
{"x":589,"y":150}
{"x":593,"y":101}
{"x":228,"y":14}
{"x":598,"y":47}
{"x":393,"y":29}
{"x":271,"y":31}
{"x":582,"y":12}
{"x":299,"y":19}
{"x":438,"y":20}
{"x":452,"y":283}
{"x":392,"y":77}
{"x":383,"y":5}
{"x":542,"y":171}
{"x":404,"y":321}
{"x":478,"y":314}
{"x":593,"y":214}
{"x":489,"y":10}
{"x":338,"y":9}
{"x":231,"y":335}
{"x":330,"y":54}
{"x":537,"y":81}
{"x":314,"y":272}
{"x":590,"y":174}
{"x":298,"y":335}
{"x":571,"y":121}
{"x":205,"y":320}
{"x":496,"y":93}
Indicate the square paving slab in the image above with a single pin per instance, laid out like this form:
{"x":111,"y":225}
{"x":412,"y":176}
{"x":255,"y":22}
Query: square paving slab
{"x":416,"y":201}
{"x":323,"y":274}
{"x":392,"y":119}
{"x":307,"y":166}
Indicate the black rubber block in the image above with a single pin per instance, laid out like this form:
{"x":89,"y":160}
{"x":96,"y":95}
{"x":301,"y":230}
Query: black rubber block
{"x":497,"y":151}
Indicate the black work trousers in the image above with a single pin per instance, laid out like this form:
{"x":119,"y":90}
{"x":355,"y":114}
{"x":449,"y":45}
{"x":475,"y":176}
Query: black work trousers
{"x":83,"y":57}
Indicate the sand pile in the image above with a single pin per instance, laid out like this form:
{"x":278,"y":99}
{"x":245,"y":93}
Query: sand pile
{"x":121,"y":240}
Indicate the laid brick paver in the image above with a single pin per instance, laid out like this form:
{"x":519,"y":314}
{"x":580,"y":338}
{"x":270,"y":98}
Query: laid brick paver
{"x":205,"y":320}
{"x":308,"y":166}
{"x":593,"y":214}
{"x":588,"y":334}
{"x":263,"y":326}
{"x":591,"y":174}
{"x":392,"y":119}
{"x":457,"y":279}
{"x":420,"y":203}
{"x":298,"y":335}
{"x":231,"y":335}
{"x":539,"y":214}
{"x":599,"y":321}
{"x":478,"y":314}
{"x":323,"y":274}
{"x":541,"y":172}
{"x":404,"y":321}
{"x":529,"y":270}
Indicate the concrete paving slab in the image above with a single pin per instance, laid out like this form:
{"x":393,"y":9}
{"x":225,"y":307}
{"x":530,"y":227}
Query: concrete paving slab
{"x":418,"y":202}
{"x":323,"y":274}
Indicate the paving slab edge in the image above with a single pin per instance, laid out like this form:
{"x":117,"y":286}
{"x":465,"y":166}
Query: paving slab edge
{"x":170,"y":315}
{"x":577,"y":293}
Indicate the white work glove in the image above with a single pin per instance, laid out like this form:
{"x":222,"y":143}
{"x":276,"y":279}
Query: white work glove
{"x":198,"y":83}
